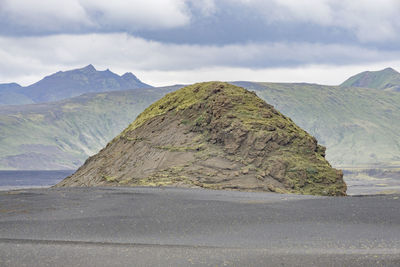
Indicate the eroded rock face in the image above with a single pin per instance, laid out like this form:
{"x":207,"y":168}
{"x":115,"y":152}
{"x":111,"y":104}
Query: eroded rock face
{"x":213,"y":135}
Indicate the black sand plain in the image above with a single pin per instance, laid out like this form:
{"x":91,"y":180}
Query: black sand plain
{"x":195,"y":227}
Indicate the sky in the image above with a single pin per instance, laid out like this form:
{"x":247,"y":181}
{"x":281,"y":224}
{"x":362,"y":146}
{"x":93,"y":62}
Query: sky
{"x":166,"y":42}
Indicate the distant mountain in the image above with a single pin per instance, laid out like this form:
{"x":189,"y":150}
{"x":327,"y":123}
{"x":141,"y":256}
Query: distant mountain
{"x":387,"y":79}
{"x":10,"y":94}
{"x":67,"y":84}
{"x":9,"y":87}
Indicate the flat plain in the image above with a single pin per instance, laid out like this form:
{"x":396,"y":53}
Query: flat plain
{"x":177,"y":227}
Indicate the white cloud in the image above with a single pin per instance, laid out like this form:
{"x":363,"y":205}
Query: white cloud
{"x":137,"y":14}
{"x":206,"y":7}
{"x":370,"y":20}
{"x":25,"y":57}
{"x":150,"y":55}
{"x":117,"y":15}
{"x":43,"y":14}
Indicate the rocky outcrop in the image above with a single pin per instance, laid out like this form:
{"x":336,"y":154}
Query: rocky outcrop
{"x":213,"y":135}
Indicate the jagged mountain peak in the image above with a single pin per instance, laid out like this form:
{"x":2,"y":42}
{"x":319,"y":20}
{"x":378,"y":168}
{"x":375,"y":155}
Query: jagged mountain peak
{"x":129,"y":75}
{"x":89,"y":67}
{"x":66,"y":84}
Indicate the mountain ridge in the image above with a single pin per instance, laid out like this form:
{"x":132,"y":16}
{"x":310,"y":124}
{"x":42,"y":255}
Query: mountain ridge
{"x":71,"y":83}
{"x":387,"y":79}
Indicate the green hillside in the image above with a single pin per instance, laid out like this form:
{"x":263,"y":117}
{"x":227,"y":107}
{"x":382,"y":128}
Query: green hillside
{"x":387,"y":79}
{"x":61,"y":135}
{"x":358,"y":126}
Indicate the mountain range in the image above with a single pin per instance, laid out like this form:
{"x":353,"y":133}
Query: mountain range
{"x":360,"y":126}
{"x":67,"y":84}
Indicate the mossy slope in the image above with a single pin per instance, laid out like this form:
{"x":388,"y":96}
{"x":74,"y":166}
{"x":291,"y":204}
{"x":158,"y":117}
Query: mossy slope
{"x":213,"y":135}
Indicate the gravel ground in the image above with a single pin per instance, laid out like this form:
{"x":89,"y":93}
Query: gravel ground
{"x":178,"y":227}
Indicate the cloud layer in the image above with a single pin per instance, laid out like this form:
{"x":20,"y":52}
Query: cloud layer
{"x":56,"y":16}
{"x":182,"y":36}
{"x":366,"y":20}
{"x":132,"y":53}
{"x":148,"y":55}
{"x":369,"y":20}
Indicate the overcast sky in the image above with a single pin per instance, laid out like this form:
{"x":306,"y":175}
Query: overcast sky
{"x":182,"y":41}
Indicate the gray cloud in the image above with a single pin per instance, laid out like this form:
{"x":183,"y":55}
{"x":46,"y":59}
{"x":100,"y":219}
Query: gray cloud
{"x":365,"y":21}
{"x":137,"y":53}
{"x":370,"y":20}
{"x":182,"y":36}
{"x":57,"y":16}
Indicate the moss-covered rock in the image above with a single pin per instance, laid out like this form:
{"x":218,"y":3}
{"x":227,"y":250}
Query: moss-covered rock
{"x":213,"y":135}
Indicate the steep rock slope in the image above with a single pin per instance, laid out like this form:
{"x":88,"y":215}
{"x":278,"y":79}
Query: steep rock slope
{"x":213,"y":135}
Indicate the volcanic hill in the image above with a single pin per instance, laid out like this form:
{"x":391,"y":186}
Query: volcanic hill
{"x":213,"y":135}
